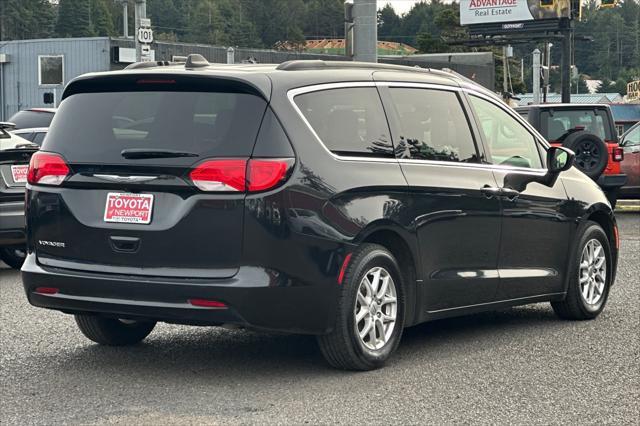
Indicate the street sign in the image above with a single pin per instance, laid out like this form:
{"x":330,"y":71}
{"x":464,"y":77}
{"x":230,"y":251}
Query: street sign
{"x":145,"y":22}
{"x":633,"y":91}
{"x":145,"y":50}
{"x":145,"y":35}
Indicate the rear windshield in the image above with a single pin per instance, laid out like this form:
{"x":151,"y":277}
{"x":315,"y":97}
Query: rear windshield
{"x":96,"y":127}
{"x":29,"y":119}
{"x":557,"y":124}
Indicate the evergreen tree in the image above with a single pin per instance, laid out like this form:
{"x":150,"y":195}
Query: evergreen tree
{"x":101,"y":18}
{"x":26,"y":19}
{"x":74,"y":18}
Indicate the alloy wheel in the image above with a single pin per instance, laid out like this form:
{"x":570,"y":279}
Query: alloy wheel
{"x":376,"y":308}
{"x":593,"y":272}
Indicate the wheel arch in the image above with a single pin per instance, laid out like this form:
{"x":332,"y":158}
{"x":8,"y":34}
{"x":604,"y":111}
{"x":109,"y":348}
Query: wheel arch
{"x":404,"y":247}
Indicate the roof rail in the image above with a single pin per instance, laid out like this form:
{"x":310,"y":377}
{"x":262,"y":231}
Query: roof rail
{"x":305,"y":65}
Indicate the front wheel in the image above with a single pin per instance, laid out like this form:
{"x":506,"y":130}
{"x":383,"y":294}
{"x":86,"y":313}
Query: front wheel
{"x":370,"y":313}
{"x":590,"y":277}
{"x":113,"y":332}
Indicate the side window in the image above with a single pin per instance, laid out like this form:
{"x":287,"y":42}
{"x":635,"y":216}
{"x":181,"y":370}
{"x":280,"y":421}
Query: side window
{"x":433,"y":126}
{"x":39,"y":138}
{"x":349,"y":121}
{"x":633,"y":138}
{"x":509,"y":142}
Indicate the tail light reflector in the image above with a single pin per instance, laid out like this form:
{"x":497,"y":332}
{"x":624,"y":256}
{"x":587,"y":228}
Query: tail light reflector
{"x":46,"y":290}
{"x":240,"y":175}
{"x":47,"y":168}
{"x":617,"y":154}
{"x":205,"y":303}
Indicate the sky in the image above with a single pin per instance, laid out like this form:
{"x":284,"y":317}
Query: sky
{"x":401,"y":6}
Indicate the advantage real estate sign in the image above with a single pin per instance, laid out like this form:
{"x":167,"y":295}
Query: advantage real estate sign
{"x":474,"y":12}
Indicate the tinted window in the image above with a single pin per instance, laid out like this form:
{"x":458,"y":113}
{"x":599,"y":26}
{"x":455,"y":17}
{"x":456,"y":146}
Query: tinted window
{"x":348,"y":121}
{"x":433,"y":126}
{"x":509,"y":142}
{"x":29,"y":119}
{"x":96,"y":127}
{"x":557,"y":124}
{"x":38,"y":138}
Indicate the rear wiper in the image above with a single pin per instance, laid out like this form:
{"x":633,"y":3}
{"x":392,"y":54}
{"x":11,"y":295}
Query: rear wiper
{"x":140,"y":153}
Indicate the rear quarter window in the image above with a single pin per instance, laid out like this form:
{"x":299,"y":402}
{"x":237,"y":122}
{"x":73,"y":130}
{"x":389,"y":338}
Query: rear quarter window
{"x":348,"y":121}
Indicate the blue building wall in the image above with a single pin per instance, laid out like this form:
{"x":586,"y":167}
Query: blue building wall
{"x":20,"y":88}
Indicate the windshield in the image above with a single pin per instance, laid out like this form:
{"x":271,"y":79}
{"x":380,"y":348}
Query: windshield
{"x":558,"y":124}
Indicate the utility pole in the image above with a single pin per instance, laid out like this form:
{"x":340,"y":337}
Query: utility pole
{"x":505,"y":64}
{"x":536,"y":77}
{"x":547,"y":71}
{"x":565,"y":64}
{"x":140,"y":14}
{"x":365,"y":34}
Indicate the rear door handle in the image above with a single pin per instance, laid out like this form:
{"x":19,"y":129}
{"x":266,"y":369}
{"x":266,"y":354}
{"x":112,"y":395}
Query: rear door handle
{"x":490,"y":191}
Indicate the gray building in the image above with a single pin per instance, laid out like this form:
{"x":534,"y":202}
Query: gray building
{"x":31,"y":68}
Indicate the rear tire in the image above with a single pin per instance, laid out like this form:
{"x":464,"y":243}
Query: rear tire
{"x":13,"y":256}
{"x":366,"y":306}
{"x":583,"y":300}
{"x":113,"y":332}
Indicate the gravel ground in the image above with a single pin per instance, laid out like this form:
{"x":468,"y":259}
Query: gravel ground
{"x":520,"y":365}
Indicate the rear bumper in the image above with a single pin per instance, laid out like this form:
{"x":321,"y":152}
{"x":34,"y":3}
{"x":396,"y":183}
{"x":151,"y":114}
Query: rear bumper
{"x":612,"y":181}
{"x":12,"y":223}
{"x":256,"y":298}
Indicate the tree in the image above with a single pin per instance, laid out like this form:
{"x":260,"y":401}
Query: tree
{"x":26,"y":19}
{"x":101,"y":18}
{"x":388,"y":22}
{"x":74,"y":18}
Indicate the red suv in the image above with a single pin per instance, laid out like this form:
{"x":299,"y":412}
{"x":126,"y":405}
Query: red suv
{"x":590,"y":132}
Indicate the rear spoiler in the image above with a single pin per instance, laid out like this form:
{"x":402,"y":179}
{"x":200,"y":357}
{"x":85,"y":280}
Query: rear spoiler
{"x":7,"y":125}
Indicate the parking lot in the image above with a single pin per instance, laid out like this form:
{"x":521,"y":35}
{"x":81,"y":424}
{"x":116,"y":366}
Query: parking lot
{"x":521,"y":365}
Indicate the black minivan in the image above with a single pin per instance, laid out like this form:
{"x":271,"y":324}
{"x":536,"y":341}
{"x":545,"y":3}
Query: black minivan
{"x":343,"y":200}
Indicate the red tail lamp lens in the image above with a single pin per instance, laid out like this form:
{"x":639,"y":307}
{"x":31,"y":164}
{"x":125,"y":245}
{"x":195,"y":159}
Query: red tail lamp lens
{"x":205,"y":303}
{"x":618,"y":154}
{"x":46,"y":290}
{"x":47,"y":168}
{"x":239,"y":175}
{"x":220,"y":175}
{"x":266,"y":173}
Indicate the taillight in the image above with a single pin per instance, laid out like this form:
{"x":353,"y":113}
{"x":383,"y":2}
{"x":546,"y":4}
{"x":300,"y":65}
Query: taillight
{"x":47,"y":168}
{"x":206,"y":303}
{"x":265,"y":174}
{"x":617,"y":154}
{"x":220,"y":175}
{"x":239,"y":175}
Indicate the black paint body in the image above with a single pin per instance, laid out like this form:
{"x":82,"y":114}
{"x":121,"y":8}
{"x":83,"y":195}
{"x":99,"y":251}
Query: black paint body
{"x":278,"y":269}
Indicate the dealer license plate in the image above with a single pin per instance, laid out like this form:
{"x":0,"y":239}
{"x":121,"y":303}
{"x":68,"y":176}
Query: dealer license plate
{"x":19,"y":173}
{"x":128,"y":208}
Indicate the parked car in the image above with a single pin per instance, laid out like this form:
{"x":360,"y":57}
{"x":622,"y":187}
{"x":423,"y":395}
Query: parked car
{"x":588,"y":130}
{"x":630,"y":166}
{"x":15,"y":153}
{"x":35,"y":135}
{"x":190,"y":206}
{"x":33,"y":118}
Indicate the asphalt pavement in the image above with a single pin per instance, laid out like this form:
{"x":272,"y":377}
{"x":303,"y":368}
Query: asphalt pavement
{"x":521,"y":365}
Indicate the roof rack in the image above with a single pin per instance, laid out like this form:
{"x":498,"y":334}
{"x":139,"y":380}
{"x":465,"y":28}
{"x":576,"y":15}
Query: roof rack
{"x":306,"y":65}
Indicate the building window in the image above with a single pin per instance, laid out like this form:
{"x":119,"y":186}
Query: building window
{"x":50,"y":70}
{"x":620,"y":129}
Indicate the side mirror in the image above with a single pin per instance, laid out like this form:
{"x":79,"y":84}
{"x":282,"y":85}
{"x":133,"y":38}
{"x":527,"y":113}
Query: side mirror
{"x":559,"y":159}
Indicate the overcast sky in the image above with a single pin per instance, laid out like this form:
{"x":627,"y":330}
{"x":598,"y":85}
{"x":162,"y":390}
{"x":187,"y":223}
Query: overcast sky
{"x":400,"y":6}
